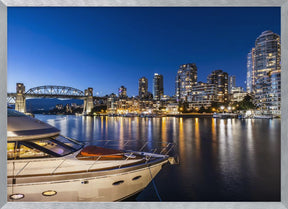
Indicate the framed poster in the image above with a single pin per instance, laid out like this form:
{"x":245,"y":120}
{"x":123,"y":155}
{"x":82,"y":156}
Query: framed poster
{"x":144,"y":28}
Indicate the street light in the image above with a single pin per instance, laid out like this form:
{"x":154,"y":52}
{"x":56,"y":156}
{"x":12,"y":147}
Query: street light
{"x":222,"y":108}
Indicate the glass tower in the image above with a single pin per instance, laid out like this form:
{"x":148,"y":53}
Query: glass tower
{"x":250,"y":84}
{"x":122,"y":92}
{"x":219,"y":78}
{"x":158,"y":89}
{"x":143,"y":88}
{"x":268,"y":72}
{"x":232,"y":83}
{"x":185,"y":79}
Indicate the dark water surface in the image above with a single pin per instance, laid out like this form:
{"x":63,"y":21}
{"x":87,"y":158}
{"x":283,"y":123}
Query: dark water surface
{"x":220,"y":159}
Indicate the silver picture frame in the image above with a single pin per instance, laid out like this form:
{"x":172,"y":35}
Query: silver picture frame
{"x":283,"y":4}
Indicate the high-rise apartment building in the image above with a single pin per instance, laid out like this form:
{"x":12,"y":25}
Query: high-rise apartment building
{"x":143,"y":88}
{"x":250,"y":83}
{"x":268,"y":72}
{"x":158,"y":89}
{"x":122,"y":92}
{"x":185,"y":79}
{"x":231,"y":83}
{"x":203,"y":95}
{"x":219,"y":78}
{"x":237,"y":94}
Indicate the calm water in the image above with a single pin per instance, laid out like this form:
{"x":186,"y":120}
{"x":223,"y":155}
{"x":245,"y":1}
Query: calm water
{"x":220,"y":159}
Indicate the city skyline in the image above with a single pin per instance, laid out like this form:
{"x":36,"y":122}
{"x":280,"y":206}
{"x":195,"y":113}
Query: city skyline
{"x":105,"y":54}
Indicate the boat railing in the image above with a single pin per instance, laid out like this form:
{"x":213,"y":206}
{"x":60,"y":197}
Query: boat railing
{"x":168,"y":149}
{"x":58,"y":166}
{"x":163,"y":149}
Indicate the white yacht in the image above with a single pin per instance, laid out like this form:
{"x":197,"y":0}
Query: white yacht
{"x":263,"y":116}
{"x":46,"y":166}
{"x":224,"y":115}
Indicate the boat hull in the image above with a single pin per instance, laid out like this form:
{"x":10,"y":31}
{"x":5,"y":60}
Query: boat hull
{"x":91,"y":187}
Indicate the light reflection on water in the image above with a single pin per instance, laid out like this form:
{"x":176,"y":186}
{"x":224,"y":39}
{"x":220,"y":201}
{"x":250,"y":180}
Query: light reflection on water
{"x":220,"y":159}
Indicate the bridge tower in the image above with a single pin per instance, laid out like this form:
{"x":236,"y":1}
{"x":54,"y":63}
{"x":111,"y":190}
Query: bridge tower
{"x":20,"y":103}
{"x":88,"y":101}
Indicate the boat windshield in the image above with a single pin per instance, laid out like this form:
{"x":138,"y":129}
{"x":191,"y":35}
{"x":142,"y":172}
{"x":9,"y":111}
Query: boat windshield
{"x":47,"y":147}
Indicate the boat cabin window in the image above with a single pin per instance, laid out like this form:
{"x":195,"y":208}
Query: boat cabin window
{"x":11,"y":154}
{"x":23,"y":151}
{"x":54,"y":147}
{"x":47,"y":147}
{"x":27,"y":152}
{"x":69,"y":142}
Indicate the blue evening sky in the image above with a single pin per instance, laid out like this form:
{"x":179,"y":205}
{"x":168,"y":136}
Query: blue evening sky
{"x":105,"y":48}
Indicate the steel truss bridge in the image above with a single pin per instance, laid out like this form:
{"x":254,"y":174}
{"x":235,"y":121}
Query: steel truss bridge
{"x":51,"y":91}
{"x":55,"y":91}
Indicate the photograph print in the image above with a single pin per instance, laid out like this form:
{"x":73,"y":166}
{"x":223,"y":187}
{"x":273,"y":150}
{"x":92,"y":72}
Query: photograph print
{"x":179,"y":104}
